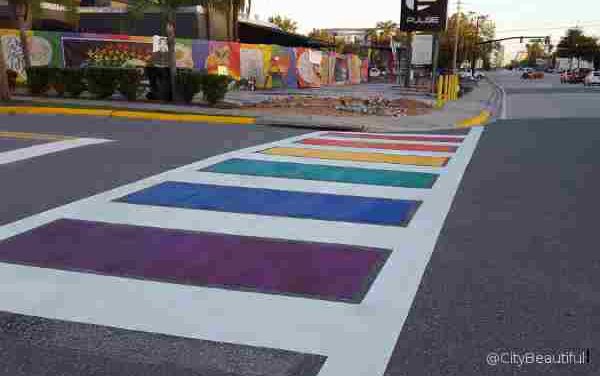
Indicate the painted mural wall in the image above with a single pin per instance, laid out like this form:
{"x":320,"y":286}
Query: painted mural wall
{"x":273,"y":66}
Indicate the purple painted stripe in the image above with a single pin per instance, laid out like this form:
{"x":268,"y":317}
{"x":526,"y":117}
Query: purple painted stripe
{"x":315,"y":270}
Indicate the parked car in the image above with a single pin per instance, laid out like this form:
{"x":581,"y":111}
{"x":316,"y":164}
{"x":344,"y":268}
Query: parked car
{"x":479,"y":75}
{"x":578,"y":75}
{"x":374,"y":72}
{"x":593,"y":78}
{"x":564,"y":76}
{"x":465,"y":74}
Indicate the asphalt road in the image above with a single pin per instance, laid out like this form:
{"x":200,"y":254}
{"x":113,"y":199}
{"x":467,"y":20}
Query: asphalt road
{"x":515,"y":269}
{"x":139,"y":149}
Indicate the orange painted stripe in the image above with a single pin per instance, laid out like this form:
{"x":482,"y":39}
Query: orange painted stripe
{"x":377,"y":145}
{"x":424,"y":138}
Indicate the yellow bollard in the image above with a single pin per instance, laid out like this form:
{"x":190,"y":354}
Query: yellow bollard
{"x":454,"y":87}
{"x":446,"y":86}
{"x":440,"y":91}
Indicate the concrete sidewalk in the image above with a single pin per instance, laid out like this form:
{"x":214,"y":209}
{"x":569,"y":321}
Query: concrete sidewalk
{"x":466,"y":111}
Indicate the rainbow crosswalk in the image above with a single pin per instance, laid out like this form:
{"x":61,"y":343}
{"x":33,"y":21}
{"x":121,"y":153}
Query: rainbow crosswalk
{"x":313,"y":244}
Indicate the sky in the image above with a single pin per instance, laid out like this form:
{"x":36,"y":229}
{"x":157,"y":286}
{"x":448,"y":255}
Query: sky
{"x":531,"y":17}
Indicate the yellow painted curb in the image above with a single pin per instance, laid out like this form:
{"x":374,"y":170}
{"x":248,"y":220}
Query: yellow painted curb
{"x":480,"y":119}
{"x":34,"y":136}
{"x":183,"y":118}
{"x":15,"y":110}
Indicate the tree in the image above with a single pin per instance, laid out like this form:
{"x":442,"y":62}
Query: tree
{"x":320,"y":35}
{"x":388,"y":29}
{"x":168,"y":9}
{"x":535,"y":51}
{"x":286,"y":24}
{"x":225,"y":10}
{"x":468,"y":38}
{"x":25,"y":10}
{"x":4,"y":91}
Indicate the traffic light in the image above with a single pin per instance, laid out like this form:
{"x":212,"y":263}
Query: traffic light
{"x":547,"y":40}
{"x":521,"y":39}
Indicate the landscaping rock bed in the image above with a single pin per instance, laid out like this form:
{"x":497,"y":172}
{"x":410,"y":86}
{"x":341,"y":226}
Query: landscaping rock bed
{"x":342,"y":106}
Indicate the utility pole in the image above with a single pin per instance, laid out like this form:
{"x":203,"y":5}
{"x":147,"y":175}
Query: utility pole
{"x":456,"y":35}
{"x":475,"y":56}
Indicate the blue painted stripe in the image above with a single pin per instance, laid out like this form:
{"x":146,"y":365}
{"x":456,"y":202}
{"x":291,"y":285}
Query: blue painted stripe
{"x":352,"y":175}
{"x":271,"y":202}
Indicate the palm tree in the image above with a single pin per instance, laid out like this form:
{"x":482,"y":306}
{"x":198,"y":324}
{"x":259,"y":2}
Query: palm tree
{"x":388,"y":29}
{"x":25,"y":10}
{"x":231,"y":9}
{"x":168,"y":9}
{"x":4,"y":92}
{"x":285,"y":23}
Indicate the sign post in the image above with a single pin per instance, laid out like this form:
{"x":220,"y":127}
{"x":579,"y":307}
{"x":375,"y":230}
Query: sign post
{"x":425,"y":16}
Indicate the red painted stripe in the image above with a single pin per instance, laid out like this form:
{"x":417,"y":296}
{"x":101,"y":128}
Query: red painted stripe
{"x":378,"y":145}
{"x":398,"y":138}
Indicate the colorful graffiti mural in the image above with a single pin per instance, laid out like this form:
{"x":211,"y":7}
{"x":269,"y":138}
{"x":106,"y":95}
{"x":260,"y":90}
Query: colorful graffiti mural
{"x":308,"y":67}
{"x":283,"y":67}
{"x":255,"y":62}
{"x":273,"y":66}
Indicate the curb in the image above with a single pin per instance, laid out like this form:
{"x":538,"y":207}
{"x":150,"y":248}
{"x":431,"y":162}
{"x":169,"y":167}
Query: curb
{"x":146,"y":115}
{"x":474,"y":121}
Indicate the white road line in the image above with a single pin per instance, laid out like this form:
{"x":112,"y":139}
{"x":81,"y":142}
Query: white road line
{"x":299,"y":185}
{"x":372,"y":140}
{"x":369,"y":150}
{"x":338,"y":163}
{"x":458,"y":137}
{"x":48,"y":148}
{"x":357,"y":339}
{"x":241,"y":224}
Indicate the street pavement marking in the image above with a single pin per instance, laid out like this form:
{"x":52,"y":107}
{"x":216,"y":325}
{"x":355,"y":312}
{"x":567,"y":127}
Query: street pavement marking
{"x":332,"y":329}
{"x":346,"y":163}
{"x":316,"y":186}
{"x":33,"y":136}
{"x":404,"y":137}
{"x":44,"y":149}
{"x":275,"y":202}
{"x":358,"y":156}
{"x":265,"y":265}
{"x":286,"y":170}
{"x":411,"y":153}
{"x":378,"y":145}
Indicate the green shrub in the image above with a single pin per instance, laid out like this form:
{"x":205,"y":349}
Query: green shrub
{"x":74,"y":81}
{"x":130,"y":83}
{"x":214,"y":87}
{"x":56,"y":80}
{"x":188,"y":83}
{"x":102,"y":82}
{"x":38,"y":80}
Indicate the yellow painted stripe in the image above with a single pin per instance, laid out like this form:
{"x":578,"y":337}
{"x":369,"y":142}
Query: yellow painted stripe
{"x":480,"y":119}
{"x":33,"y":136}
{"x":184,"y":117}
{"x":53,"y":111}
{"x":416,"y":160}
{"x":16,"y":110}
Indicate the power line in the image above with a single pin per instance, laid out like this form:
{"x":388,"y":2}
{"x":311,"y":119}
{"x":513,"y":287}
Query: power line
{"x":549,"y":28}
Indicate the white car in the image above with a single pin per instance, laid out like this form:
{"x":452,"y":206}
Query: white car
{"x":593,"y":78}
{"x":374,"y":72}
{"x":465,"y":74}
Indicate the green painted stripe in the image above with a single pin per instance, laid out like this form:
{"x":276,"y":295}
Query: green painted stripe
{"x":288,"y":170}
